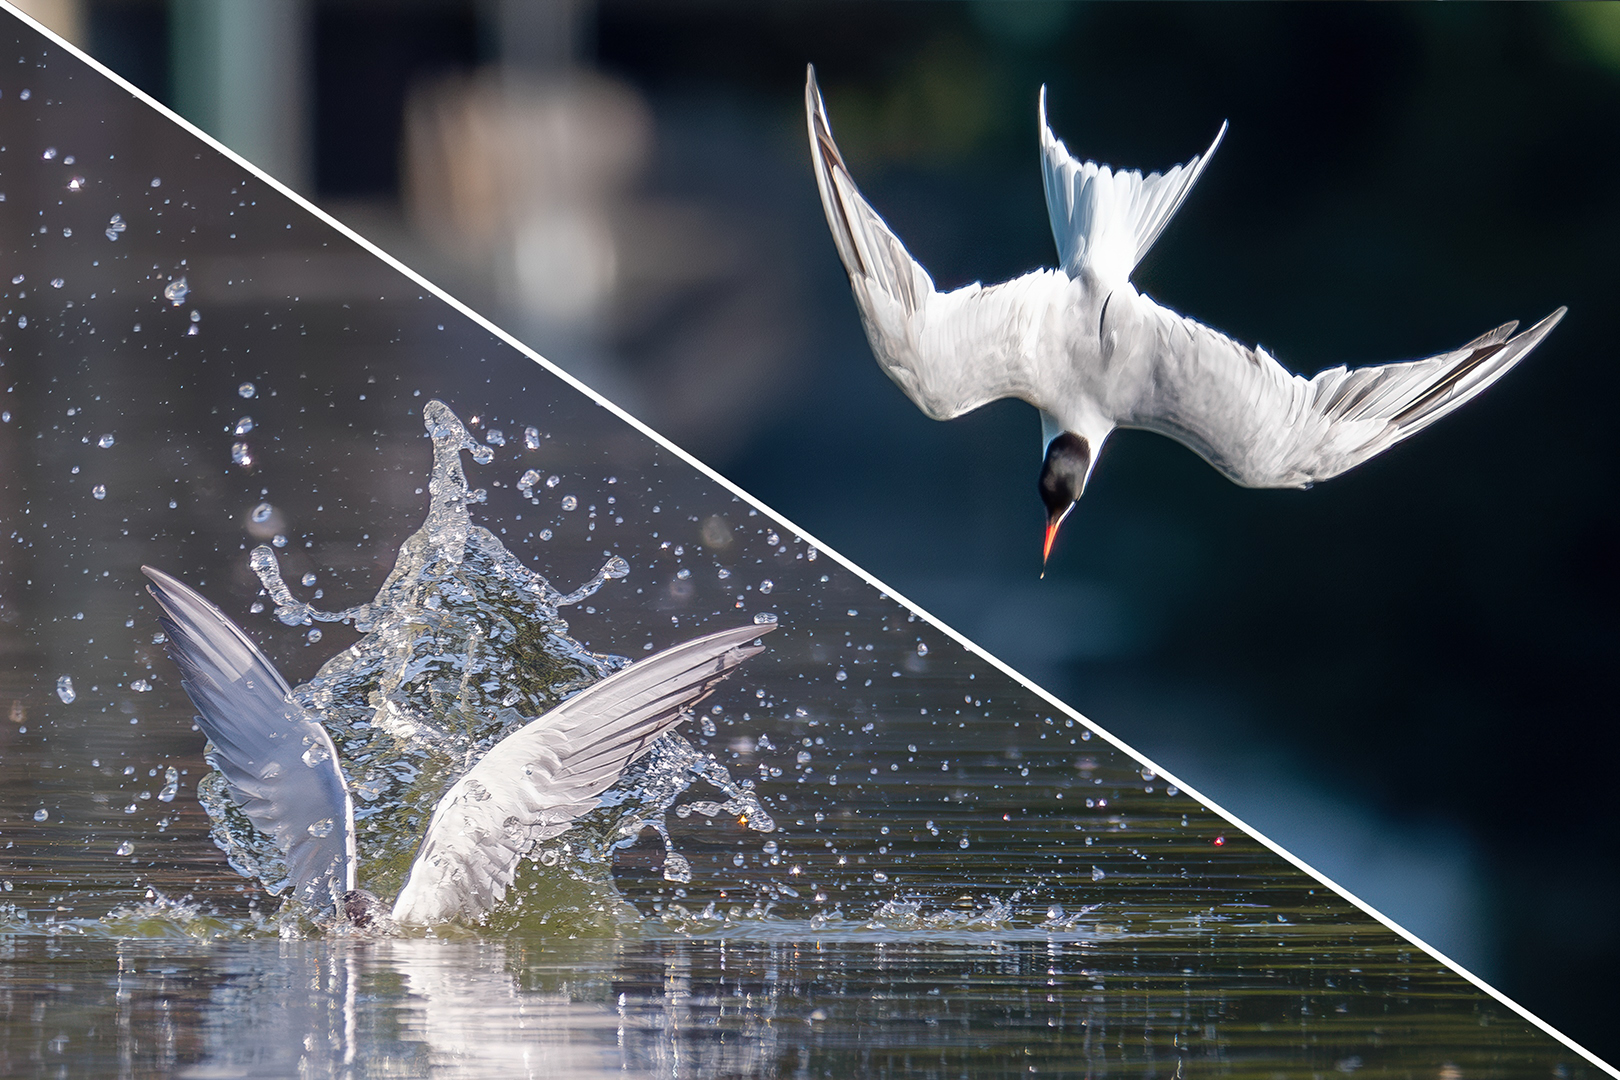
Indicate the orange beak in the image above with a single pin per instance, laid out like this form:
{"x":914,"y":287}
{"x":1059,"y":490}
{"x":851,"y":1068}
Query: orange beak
{"x":1052,"y":526}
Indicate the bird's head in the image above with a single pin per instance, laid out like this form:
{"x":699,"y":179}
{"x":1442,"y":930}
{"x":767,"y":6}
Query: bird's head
{"x":359,"y":907}
{"x":1063,"y":479}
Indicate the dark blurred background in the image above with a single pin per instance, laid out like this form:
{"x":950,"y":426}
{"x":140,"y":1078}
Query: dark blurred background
{"x":1399,"y":676}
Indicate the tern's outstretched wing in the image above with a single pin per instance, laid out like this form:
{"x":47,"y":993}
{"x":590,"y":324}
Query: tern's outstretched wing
{"x":1107,"y":220}
{"x":280,"y":763}
{"x":535,"y":782}
{"x":950,"y":352}
{"x":1262,"y":426}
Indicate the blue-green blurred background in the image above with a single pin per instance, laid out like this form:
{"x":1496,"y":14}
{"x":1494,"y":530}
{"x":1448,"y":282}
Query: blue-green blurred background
{"x":1399,"y":675}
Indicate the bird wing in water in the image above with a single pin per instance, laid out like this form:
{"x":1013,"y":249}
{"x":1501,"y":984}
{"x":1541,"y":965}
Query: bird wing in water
{"x":1107,"y":220}
{"x":280,"y":763}
{"x":535,"y":782}
{"x":950,"y":352}
{"x":1263,"y":426}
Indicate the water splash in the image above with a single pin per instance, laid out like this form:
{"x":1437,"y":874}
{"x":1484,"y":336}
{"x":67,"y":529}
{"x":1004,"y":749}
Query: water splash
{"x":463,"y":645}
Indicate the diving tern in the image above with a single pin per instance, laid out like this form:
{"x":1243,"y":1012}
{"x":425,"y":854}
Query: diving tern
{"x":1092,"y":354}
{"x":284,"y":773}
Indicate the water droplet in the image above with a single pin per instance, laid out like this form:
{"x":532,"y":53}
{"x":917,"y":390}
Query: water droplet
{"x":140,"y":686}
{"x":308,"y":579}
{"x":76,"y":183}
{"x":22,"y":322}
{"x":314,"y":635}
{"x":769,"y":847}
{"x":171,"y":785}
{"x":243,"y":426}
{"x":279,"y":540}
{"x":19,"y":279}
{"x":676,"y":868}
{"x":105,"y":442}
{"x":1097,"y":873}
{"x":842,"y":675}
{"x":176,"y":291}
{"x":553,"y":481}
{"x":57,"y":283}
{"x":262,"y":512}
{"x":247,"y":389}
{"x":41,"y":815}
{"x":569,"y":502}
{"x":157,"y":181}
{"x":683,"y":573}
{"x":723,"y":574}
{"x":126,"y":848}
{"x":49,"y":154}
{"x":1054,"y":913}
{"x":241,"y":454}
{"x":880,"y":877}
{"x":531,"y":438}
{"x":922,"y":649}
{"x":64,"y":689}
{"x":852,"y":612}
{"x":765,"y":618}
{"x":99,"y":491}
{"x":527,"y":481}
{"x":196,"y":316}
{"x":767,"y":585}
{"x":962,"y":843}
{"x":495,"y":437}
{"x":26,"y":94}
{"x":115,"y":226}
{"x":322,"y":827}
{"x":545,"y":534}
{"x":736,"y":860}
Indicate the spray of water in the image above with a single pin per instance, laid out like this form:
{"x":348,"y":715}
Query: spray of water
{"x":462,"y":645}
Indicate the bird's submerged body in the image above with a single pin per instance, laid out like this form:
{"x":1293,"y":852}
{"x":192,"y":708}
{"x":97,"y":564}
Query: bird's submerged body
{"x":1093,"y":354}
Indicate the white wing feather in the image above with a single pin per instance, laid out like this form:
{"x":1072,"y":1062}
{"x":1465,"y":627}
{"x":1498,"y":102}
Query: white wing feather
{"x":1264,"y":426}
{"x":280,"y":763}
{"x":950,"y":352}
{"x":1106,"y":220}
{"x":535,"y":782}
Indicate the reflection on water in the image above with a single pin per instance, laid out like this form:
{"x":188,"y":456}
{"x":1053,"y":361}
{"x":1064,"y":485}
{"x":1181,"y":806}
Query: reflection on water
{"x":1083,"y":1004}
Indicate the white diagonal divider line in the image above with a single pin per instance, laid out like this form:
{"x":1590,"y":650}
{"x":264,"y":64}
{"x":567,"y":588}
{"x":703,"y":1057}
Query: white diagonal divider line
{"x":939,"y":624}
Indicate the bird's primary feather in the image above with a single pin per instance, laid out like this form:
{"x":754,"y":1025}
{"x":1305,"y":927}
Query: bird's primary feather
{"x":279,"y":762}
{"x":534,"y":783}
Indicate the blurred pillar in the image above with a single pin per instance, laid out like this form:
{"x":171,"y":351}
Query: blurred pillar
{"x":540,"y":35}
{"x":240,"y":71}
{"x":64,"y":18}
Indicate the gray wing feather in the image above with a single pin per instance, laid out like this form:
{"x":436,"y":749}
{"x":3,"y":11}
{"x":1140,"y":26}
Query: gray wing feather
{"x":535,"y":782}
{"x":280,"y":763}
{"x":1263,"y":426}
{"x":950,"y":352}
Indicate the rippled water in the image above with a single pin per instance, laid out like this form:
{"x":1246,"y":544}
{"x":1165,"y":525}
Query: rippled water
{"x":969,"y":1006}
{"x":962,"y":879}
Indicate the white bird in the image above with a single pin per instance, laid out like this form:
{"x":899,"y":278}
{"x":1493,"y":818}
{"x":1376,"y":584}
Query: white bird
{"x":1092,"y":354}
{"x":284,"y":773}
